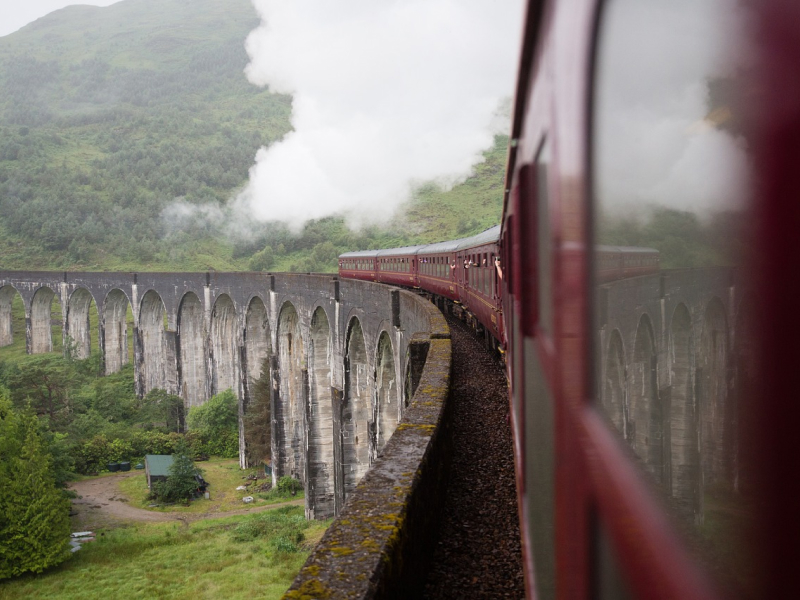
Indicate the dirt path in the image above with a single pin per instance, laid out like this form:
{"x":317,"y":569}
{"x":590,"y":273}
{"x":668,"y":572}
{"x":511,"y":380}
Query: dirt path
{"x":102,"y":504}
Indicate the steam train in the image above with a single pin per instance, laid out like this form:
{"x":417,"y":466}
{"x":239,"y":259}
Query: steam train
{"x":593,"y":521}
{"x":468,"y":271}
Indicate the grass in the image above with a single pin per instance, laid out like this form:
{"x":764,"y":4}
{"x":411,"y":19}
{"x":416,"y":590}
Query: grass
{"x":235,"y":557}
{"x":223,"y":475}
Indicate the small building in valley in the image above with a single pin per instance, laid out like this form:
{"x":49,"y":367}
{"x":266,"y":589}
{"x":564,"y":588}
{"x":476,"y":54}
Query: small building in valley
{"x":156,"y":467}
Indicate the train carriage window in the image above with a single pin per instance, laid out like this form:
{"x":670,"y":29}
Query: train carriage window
{"x":673,"y":368}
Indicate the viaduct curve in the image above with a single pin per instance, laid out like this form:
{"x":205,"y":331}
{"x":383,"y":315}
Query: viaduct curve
{"x":338,"y":352}
{"x":345,"y":358}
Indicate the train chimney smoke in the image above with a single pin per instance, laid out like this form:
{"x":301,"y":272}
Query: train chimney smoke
{"x":386,"y":95}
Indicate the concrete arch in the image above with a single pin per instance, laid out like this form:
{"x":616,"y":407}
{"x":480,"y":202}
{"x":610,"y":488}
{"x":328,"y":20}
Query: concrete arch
{"x":387,"y":402}
{"x":613,"y":392}
{"x":356,"y":409}
{"x":712,"y":394}
{"x":192,"y":347}
{"x":7,"y":295}
{"x":224,"y":357}
{"x":256,"y":339}
{"x":153,"y":342}
{"x":321,"y":480}
{"x":614,"y":401}
{"x":78,"y":326}
{"x":115,"y":330}
{"x":290,"y":388}
{"x":645,"y":425}
{"x":257,"y":351}
{"x":41,"y":320}
{"x":683,"y":474}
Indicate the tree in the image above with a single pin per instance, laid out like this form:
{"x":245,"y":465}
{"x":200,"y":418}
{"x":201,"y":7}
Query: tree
{"x":257,"y":432}
{"x":46,"y":381}
{"x":34,"y":514}
{"x":263,"y":260}
{"x":181,"y":483}
{"x":163,"y":407}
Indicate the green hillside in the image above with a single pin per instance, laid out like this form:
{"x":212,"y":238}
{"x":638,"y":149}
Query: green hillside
{"x":107,"y":115}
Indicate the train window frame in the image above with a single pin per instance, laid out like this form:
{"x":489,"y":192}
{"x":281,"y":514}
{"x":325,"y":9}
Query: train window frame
{"x":658,"y":554}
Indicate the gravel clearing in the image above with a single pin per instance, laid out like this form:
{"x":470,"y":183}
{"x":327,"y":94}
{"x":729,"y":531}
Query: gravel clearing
{"x":478,"y":554}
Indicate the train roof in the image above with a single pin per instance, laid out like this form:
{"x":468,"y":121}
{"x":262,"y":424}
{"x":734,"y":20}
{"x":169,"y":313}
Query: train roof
{"x":485,"y":237}
{"x":360,"y":254}
{"x":627,"y":249}
{"x":405,"y":250}
{"x":491,"y":235}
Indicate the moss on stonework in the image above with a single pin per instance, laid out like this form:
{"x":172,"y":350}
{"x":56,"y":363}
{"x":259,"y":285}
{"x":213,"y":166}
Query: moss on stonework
{"x":312,"y":570}
{"x":310,"y":589}
{"x":371,"y":545}
{"x":416,"y":426}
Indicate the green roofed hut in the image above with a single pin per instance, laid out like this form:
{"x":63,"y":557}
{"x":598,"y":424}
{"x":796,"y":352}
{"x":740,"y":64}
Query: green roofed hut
{"x":156,"y":467}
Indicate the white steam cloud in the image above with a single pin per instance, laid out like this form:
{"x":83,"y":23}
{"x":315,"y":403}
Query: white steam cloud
{"x":387,"y":94}
{"x":656,"y":142}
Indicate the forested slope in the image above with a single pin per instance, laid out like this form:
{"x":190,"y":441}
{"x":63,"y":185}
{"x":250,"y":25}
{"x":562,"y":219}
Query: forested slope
{"x":108,"y":115}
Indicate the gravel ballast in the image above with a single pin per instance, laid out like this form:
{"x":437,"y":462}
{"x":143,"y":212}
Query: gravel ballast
{"x":478,"y":553}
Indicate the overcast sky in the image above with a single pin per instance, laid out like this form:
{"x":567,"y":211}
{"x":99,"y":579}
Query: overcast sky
{"x":18,"y":13}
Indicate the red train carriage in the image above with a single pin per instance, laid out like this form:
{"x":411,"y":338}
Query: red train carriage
{"x":437,"y":266}
{"x":359,"y":265}
{"x":654,"y":443}
{"x":398,"y":266}
{"x":478,"y":281}
{"x":618,"y":262}
{"x":643,"y":455}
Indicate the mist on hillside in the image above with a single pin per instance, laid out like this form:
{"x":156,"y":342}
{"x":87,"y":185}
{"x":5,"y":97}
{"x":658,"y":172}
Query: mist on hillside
{"x":386,"y":96}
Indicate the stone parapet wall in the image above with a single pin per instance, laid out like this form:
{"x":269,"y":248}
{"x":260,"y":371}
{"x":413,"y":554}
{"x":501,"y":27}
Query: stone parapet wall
{"x":378,"y":546}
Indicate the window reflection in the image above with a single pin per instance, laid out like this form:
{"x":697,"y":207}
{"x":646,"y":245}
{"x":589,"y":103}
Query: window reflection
{"x":670,"y":184}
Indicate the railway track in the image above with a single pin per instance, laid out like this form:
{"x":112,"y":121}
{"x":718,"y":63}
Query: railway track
{"x":478,"y":552}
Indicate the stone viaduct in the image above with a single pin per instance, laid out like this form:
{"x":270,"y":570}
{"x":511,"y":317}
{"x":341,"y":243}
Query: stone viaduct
{"x":353,"y":363}
{"x":675,"y":359}
{"x":338,"y":353}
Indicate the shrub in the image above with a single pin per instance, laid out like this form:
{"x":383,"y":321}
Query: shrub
{"x":289,"y":485}
{"x":217,"y":424}
{"x":280,"y":523}
{"x":93,"y":455}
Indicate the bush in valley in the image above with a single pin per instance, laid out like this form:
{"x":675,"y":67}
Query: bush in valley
{"x":289,"y":485}
{"x":280,"y":523}
{"x":287,"y":488}
{"x":217,"y":424}
{"x":94,"y":454}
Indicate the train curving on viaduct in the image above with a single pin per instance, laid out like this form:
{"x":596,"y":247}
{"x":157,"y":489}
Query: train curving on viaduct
{"x":340,"y":355}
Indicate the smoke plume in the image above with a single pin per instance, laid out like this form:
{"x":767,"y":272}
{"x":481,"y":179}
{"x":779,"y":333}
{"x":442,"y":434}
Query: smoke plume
{"x":386,"y":95}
